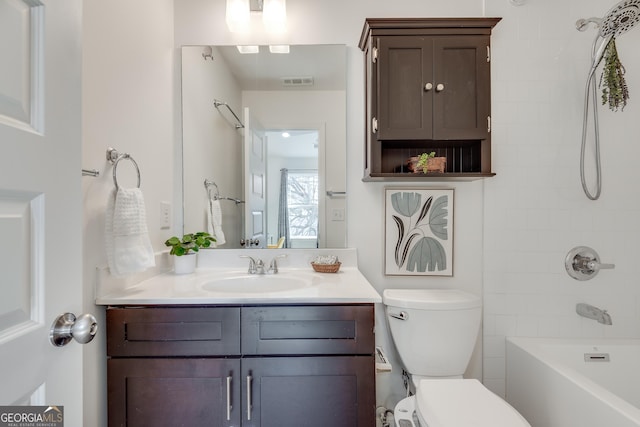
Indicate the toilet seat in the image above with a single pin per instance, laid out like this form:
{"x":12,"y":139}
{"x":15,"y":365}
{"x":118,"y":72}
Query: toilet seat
{"x":455,"y":403}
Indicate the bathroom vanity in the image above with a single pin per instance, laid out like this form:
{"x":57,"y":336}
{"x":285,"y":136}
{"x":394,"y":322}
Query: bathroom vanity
{"x":184,"y":351}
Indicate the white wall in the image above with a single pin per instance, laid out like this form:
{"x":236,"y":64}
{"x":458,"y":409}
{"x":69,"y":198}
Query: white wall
{"x":128,"y":103}
{"x":535,"y":210}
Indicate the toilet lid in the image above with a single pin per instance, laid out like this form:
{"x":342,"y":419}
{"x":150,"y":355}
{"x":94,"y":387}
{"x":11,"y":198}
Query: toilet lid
{"x":460,"y":402}
{"x":431,"y":299}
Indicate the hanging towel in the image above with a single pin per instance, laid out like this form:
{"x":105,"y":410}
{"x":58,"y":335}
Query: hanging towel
{"x":127,"y":241}
{"x":214,"y":222}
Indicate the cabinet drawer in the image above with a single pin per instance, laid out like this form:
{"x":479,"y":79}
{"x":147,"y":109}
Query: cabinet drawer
{"x":184,"y":331}
{"x":305,"y":330}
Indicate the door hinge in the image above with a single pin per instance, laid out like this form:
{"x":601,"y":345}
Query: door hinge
{"x":488,"y":124}
{"x":488,"y":53}
{"x":374,"y":55}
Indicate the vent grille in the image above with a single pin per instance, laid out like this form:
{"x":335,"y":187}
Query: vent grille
{"x":297,"y":81}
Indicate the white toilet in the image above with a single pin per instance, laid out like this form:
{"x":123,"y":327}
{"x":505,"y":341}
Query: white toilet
{"x":435,"y":331}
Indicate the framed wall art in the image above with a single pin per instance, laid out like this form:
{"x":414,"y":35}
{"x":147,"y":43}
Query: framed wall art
{"x":418,"y":232}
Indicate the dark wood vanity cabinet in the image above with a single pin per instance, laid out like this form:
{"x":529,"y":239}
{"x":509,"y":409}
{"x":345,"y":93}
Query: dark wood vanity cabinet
{"x":428,"y":89}
{"x":269,"y":366}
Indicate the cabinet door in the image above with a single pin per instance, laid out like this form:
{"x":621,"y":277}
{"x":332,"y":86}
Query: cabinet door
{"x":174,"y":392}
{"x":462,"y":87}
{"x":405,"y":107}
{"x":336,"y":391}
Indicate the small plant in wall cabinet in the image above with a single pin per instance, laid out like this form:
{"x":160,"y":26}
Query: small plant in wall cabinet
{"x":188,"y":245}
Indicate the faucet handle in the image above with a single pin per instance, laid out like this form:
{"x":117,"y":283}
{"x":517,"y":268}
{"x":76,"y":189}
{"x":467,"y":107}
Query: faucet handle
{"x":273,"y":265}
{"x":252,"y":264}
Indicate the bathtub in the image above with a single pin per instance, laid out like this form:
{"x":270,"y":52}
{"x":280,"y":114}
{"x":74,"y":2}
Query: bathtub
{"x":574,"y":382}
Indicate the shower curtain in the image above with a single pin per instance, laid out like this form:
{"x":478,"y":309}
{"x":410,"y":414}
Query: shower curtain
{"x":283,"y":209}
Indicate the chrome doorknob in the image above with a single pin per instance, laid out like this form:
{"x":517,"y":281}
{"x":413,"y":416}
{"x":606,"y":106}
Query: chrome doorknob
{"x":67,"y":326}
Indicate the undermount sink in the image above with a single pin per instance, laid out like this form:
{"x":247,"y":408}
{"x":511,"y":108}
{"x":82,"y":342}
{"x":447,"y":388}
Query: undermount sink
{"x":257,"y":283}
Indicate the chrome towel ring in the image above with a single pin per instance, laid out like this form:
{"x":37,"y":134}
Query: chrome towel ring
{"x":114,"y":157}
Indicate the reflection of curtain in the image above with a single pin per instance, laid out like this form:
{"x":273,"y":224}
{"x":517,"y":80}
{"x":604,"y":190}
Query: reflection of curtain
{"x":283,"y":209}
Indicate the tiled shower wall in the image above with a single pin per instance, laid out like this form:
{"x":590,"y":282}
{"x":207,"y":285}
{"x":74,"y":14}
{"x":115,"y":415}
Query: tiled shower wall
{"x":534,"y":209}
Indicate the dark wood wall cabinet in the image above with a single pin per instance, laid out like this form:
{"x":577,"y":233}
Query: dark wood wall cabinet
{"x":428,"y":89}
{"x":269,"y":366}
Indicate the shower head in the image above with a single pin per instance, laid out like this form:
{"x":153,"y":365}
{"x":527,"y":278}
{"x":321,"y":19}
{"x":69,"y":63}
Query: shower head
{"x":621,"y":18}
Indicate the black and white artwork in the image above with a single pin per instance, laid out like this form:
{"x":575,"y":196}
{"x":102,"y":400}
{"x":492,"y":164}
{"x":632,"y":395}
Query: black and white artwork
{"x":418,"y":231}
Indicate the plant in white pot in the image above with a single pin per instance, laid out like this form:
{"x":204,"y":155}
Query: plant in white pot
{"x":185,"y":250}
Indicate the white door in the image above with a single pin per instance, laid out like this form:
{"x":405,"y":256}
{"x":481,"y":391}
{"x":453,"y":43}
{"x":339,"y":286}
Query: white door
{"x":40,"y":201}
{"x":255,"y":185}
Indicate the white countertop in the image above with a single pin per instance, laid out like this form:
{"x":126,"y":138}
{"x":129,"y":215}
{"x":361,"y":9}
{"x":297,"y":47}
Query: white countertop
{"x":344,"y":287}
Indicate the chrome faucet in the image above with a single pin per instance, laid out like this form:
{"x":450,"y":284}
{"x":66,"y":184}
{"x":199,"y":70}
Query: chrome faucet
{"x":591,"y":312}
{"x":256,"y":266}
{"x":273,"y":265}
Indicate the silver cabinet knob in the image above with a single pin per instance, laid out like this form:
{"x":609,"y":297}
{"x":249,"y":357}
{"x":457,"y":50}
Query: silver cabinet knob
{"x":67,"y":326}
{"x":428,"y":87}
{"x":439,"y":87}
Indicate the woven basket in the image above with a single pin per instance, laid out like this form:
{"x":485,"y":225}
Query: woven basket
{"x":326,"y":268}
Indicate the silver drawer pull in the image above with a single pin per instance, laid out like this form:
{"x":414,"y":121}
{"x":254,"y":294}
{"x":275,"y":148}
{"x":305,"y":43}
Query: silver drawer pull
{"x":402,"y":315}
{"x":249,"y":397}
{"x":229,"y":398}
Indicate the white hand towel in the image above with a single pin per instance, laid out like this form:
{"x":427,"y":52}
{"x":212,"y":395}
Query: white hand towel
{"x":214,"y":222}
{"x":127,"y":241}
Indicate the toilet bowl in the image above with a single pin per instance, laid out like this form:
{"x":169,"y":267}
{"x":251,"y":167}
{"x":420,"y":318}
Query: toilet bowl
{"x":435,"y":331}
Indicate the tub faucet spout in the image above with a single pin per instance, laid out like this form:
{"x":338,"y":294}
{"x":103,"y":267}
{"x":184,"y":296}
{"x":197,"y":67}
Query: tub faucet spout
{"x":591,"y":312}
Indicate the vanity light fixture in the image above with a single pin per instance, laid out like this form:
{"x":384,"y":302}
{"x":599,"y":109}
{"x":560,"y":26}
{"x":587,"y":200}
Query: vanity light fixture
{"x":238,"y":16}
{"x":274,"y":15}
{"x":248,"y":49}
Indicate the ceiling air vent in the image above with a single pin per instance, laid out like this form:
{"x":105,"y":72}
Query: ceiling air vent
{"x":297,"y":81}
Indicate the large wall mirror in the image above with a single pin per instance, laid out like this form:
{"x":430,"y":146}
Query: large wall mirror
{"x":264,"y":145}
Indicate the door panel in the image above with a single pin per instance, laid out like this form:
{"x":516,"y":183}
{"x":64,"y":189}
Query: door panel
{"x":309,"y":391}
{"x":255,"y":180}
{"x":174,"y":392}
{"x":405,"y":107}
{"x":461,"y":108}
{"x":40,"y":201}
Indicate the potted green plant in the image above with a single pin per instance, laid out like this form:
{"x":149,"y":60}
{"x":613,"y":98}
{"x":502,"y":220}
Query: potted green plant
{"x":185,"y":250}
{"x":427,"y":162}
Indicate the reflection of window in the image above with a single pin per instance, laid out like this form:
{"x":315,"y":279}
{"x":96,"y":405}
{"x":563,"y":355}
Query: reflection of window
{"x":302,"y":198}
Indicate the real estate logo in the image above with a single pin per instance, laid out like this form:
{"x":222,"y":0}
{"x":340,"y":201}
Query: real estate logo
{"x":31,"y":416}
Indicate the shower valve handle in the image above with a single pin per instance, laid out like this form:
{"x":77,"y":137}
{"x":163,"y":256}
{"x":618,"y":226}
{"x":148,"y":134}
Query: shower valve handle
{"x":583,"y":263}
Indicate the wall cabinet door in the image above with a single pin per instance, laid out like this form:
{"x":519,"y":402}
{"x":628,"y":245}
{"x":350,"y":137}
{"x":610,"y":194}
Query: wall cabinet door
{"x":336,"y":391}
{"x":174,"y":392}
{"x":432,"y":88}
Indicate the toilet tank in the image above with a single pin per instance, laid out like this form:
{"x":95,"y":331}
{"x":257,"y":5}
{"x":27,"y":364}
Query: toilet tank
{"x":434,"y":330}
